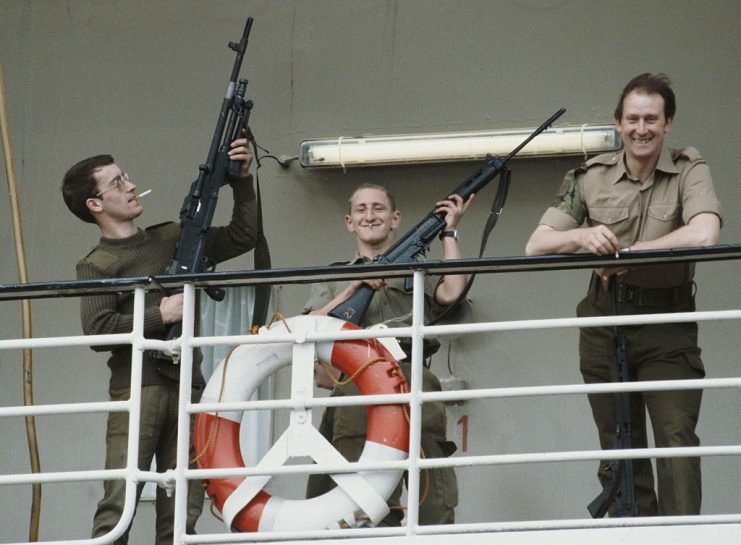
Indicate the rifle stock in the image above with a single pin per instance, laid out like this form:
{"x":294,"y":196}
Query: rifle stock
{"x":416,"y":241}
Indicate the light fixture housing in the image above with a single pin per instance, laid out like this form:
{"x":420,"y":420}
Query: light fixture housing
{"x":461,"y":146}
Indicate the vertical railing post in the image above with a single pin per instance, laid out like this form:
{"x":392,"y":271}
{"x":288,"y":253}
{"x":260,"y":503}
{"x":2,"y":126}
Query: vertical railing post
{"x":135,"y":403}
{"x":415,"y":418}
{"x":184,"y":405}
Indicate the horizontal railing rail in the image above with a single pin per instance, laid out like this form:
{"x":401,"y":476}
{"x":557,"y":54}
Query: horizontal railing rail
{"x":303,"y":275}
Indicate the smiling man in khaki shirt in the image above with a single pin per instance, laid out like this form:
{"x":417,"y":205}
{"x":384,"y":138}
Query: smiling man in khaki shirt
{"x":373,"y":218}
{"x":646,"y":197}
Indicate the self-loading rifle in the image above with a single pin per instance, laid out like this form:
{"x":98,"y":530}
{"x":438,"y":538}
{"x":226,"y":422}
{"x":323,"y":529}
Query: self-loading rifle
{"x":416,"y":242}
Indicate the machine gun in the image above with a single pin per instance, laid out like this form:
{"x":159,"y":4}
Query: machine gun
{"x":620,"y":488}
{"x":416,"y":242}
{"x":199,"y":205}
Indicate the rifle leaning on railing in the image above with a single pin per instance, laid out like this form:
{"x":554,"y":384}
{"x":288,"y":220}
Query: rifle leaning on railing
{"x":620,"y":484}
{"x":199,"y":205}
{"x":416,"y":242}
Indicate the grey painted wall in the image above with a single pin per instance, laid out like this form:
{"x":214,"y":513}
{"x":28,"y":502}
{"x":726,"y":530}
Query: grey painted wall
{"x":144,"y":81}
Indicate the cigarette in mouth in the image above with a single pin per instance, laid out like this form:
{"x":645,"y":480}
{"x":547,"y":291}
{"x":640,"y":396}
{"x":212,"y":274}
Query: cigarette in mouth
{"x":144,"y":193}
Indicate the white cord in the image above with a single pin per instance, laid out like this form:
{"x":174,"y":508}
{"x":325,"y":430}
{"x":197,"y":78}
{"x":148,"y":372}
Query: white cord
{"x":581,"y":135}
{"x":339,"y":154}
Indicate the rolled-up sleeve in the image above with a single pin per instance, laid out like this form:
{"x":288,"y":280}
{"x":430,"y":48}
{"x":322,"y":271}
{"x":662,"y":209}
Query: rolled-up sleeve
{"x":698,"y":193}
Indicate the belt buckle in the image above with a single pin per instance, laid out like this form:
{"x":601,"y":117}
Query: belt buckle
{"x":629,"y":295}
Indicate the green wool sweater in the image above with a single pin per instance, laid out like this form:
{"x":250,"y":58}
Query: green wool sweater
{"x":147,"y":253}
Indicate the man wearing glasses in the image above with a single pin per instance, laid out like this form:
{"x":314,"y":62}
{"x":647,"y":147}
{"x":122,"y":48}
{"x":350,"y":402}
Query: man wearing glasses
{"x":97,"y":191}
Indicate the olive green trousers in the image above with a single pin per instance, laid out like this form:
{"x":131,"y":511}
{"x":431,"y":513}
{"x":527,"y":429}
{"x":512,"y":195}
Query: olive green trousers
{"x":655,"y":352}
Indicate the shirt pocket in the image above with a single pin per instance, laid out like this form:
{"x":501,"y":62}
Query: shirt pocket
{"x":661,"y":219}
{"x":663,"y":212}
{"x":608,"y":215}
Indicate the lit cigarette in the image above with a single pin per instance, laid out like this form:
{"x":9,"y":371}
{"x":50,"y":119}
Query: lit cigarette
{"x":143,"y":193}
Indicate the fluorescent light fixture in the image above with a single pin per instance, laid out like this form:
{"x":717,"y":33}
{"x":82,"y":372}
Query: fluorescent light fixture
{"x":463,"y":146}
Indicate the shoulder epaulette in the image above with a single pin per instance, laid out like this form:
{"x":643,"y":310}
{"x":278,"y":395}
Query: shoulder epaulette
{"x":100,"y":258}
{"x":689,"y":153}
{"x":604,"y":159}
{"x":158,"y":225}
{"x":163,"y":230}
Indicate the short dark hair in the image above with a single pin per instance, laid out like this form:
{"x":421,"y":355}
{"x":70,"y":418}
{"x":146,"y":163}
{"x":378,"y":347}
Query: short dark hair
{"x":79,"y":185}
{"x":384,"y":190}
{"x":649,"y":84}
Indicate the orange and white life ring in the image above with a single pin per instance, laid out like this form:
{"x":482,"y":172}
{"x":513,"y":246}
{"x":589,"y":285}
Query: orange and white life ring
{"x":243,"y":502}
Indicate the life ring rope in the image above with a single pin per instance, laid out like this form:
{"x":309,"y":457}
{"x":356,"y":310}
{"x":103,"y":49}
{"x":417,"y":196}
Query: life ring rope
{"x":215,"y":424}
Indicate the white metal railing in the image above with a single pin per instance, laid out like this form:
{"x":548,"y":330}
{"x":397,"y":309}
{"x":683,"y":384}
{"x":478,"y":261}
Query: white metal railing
{"x":416,"y":397}
{"x":178,"y":477}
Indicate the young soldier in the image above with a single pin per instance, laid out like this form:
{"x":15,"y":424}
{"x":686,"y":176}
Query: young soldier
{"x":97,"y":191}
{"x":372,"y":219}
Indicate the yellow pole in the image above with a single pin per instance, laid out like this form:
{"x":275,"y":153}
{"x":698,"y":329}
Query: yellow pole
{"x":33,"y":447}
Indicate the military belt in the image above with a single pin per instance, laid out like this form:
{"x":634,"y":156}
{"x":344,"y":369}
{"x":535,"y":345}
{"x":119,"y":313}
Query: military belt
{"x":655,"y":297}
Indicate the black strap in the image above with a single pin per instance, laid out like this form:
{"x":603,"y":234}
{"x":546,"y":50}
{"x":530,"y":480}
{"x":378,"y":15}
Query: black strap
{"x":261,"y":254}
{"x":496,"y":209}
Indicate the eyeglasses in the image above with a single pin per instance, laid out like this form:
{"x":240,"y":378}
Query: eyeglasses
{"x":115,"y":183}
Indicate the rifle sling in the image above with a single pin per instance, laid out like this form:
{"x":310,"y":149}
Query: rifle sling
{"x":497,"y":206}
{"x":261,"y":260}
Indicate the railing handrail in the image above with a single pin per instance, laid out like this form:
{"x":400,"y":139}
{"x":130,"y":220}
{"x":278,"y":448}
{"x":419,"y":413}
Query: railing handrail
{"x":303,"y":275}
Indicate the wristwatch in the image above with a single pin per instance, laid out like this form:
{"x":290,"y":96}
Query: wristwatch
{"x":452,"y":234}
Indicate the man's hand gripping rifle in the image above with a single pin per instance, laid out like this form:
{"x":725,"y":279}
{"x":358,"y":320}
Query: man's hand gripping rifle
{"x":199,"y":205}
{"x":416,"y":242}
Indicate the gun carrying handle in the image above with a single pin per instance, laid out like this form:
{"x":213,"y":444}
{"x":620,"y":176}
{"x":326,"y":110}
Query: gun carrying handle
{"x":242,"y":113}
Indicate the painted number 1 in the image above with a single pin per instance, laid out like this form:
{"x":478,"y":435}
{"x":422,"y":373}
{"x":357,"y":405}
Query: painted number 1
{"x":463,"y":423}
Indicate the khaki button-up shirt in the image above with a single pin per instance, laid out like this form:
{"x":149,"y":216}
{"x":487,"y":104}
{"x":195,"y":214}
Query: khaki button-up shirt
{"x":392,"y":305}
{"x":602,"y":192}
